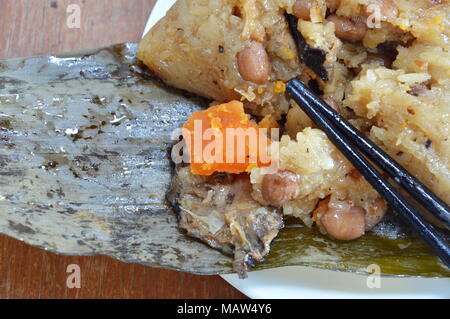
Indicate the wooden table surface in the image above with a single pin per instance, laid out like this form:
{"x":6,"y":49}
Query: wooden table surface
{"x":32,"y":27}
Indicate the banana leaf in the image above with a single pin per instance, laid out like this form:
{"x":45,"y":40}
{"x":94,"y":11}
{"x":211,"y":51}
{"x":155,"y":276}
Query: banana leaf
{"x":85,"y":140}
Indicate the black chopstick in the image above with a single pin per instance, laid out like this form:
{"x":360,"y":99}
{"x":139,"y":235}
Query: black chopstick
{"x":420,"y":193}
{"x":427,"y":231}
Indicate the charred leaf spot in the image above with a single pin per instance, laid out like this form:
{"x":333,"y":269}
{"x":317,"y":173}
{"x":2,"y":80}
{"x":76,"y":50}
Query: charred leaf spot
{"x":97,"y":100}
{"x":77,"y":136}
{"x":75,"y":174}
{"x":50,"y":165}
{"x":20,"y":228}
{"x":84,"y":164}
{"x":5,"y":124}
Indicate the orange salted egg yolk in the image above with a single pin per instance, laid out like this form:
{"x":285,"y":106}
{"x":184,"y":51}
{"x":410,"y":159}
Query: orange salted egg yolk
{"x":224,"y":139}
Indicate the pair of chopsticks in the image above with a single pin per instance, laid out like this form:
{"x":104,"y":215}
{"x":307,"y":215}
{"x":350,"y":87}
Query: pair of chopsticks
{"x":353,"y":144}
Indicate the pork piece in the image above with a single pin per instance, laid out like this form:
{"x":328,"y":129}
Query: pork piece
{"x":220,"y":211}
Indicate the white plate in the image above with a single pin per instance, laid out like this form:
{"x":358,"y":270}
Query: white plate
{"x":303,"y":282}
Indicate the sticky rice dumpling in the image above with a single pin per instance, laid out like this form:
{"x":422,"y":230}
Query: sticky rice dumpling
{"x":383,"y":64}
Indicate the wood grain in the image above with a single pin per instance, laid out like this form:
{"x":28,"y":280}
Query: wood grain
{"x":30,"y":28}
